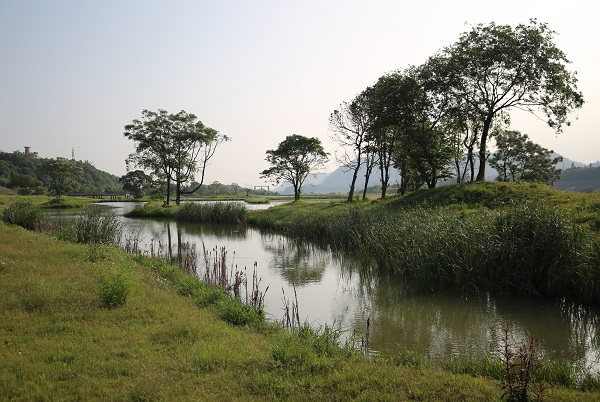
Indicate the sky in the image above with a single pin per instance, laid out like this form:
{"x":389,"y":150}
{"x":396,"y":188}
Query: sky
{"x":74,"y":73}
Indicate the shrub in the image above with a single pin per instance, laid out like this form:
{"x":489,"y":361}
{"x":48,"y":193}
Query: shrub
{"x":24,"y":214}
{"x":114,"y":289}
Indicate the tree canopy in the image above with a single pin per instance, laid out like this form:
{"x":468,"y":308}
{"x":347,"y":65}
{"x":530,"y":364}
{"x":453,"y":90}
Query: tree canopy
{"x":136,"y":181}
{"x":294,"y":159}
{"x":493,"y":69}
{"x":172,"y":146}
{"x":426,"y":118}
{"x":62,"y":174}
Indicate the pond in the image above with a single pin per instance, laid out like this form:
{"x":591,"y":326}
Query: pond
{"x":344,"y":292}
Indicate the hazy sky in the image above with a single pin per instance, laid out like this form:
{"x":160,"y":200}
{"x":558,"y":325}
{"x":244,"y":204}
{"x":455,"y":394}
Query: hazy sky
{"x":73,"y":73}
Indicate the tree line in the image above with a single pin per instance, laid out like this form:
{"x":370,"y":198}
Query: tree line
{"x":434,"y":121}
{"x":431,"y":122}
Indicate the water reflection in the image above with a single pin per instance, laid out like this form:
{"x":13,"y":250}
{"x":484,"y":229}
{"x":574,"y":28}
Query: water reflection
{"x":345,"y":291}
{"x":299,"y":263}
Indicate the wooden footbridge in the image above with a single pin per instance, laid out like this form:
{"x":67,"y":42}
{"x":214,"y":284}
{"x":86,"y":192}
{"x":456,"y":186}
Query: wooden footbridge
{"x":110,"y":196}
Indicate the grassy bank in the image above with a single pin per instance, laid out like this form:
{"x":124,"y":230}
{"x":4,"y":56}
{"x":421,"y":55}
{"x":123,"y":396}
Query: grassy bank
{"x":169,"y":336}
{"x":506,"y":238}
{"x":48,"y":202}
{"x":60,"y":342}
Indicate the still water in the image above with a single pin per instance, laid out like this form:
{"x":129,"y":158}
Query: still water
{"x":344,"y":292}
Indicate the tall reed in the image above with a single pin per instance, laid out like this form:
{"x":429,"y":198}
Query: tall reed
{"x":214,"y":212}
{"x":25,"y":214}
{"x":531,"y":248}
{"x":94,"y":225}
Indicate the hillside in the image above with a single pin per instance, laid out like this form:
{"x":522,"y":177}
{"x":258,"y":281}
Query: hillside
{"x":579,"y":179}
{"x":7,"y":191}
{"x":92,"y":179}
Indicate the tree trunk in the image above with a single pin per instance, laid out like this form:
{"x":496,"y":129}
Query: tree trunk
{"x":482,"y":147}
{"x":168,"y":191}
{"x":384,"y":170}
{"x":296,"y":193}
{"x":354,"y":176}
{"x":369,"y":164}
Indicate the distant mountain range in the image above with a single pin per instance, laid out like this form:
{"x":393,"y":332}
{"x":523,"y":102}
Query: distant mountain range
{"x":577,"y":176}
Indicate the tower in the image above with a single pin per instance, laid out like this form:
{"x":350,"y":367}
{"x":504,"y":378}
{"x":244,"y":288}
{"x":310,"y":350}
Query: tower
{"x":73,"y":154}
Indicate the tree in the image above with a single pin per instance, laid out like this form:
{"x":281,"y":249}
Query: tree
{"x":519,"y":158}
{"x":61,"y":174}
{"x":205,"y":156}
{"x":495,"y":68}
{"x":25,"y":184}
{"x":169,"y":145}
{"x":6,"y":171}
{"x":350,"y":125}
{"x":388,"y":105}
{"x":136,"y":181}
{"x":407,"y":130}
{"x":294,"y":159}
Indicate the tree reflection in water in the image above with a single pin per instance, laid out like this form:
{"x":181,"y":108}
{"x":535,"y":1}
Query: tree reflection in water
{"x":298,"y":262}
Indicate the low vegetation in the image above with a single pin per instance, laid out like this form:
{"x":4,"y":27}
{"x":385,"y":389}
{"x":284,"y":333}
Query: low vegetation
{"x":507,"y":238}
{"x":63,"y":203}
{"x":205,"y":212}
{"x":213,"y":212}
{"x":93,"y":226}
{"x":24,"y":214}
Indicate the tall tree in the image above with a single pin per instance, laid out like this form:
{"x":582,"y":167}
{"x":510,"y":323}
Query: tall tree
{"x":407,"y":129}
{"x":169,"y":145}
{"x":204,"y":156}
{"x":350,"y":125}
{"x":136,"y":181}
{"x":496,"y":68}
{"x":61,"y":175}
{"x":389,"y":105}
{"x":294,"y":159}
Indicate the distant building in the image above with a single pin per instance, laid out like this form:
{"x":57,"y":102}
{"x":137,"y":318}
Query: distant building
{"x":29,"y":154}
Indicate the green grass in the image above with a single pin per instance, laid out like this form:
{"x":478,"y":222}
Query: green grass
{"x":214,"y":212}
{"x":46,"y":201}
{"x":59,"y":341}
{"x":210,"y":212}
{"x":63,"y":203}
{"x":93,"y":225}
{"x":153,"y":209}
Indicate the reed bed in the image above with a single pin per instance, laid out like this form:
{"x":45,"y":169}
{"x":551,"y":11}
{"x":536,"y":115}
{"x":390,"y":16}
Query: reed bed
{"x":531,"y":248}
{"x":213,"y":212}
{"x":93,"y":225}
